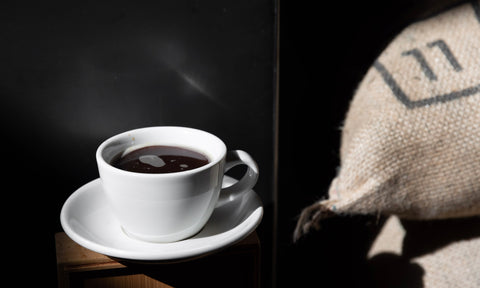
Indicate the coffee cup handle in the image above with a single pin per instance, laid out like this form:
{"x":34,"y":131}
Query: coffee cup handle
{"x":249,"y":179}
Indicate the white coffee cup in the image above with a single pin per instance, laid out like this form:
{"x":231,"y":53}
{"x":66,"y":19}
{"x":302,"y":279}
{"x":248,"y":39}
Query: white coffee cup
{"x":169,"y":207}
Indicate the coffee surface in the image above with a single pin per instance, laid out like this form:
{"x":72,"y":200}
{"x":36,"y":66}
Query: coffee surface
{"x":159,"y":159}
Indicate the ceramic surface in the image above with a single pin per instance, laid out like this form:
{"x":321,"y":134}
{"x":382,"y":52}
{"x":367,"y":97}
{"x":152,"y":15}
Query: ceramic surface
{"x":87,"y":219}
{"x":167,"y":207}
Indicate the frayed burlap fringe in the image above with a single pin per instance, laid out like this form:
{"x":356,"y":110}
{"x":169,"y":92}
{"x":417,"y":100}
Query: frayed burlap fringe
{"x":310,"y":218}
{"x":411,"y":139}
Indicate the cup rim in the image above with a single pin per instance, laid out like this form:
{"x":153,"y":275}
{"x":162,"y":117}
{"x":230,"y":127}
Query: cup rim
{"x":101,"y":161}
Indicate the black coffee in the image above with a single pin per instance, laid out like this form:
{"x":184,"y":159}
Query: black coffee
{"x":159,"y":159}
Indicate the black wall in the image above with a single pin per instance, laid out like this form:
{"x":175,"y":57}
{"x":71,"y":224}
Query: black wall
{"x":72,"y":75}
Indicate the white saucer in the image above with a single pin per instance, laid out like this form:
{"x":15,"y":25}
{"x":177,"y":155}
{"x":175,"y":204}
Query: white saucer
{"x":87,"y":219}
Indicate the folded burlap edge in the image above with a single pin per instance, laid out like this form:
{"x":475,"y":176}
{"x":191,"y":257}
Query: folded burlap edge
{"x":310,"y":218}
{"x":312,"y":215}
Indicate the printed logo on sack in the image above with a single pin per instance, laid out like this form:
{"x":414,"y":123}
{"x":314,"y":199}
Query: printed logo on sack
{"x":448,"y":70}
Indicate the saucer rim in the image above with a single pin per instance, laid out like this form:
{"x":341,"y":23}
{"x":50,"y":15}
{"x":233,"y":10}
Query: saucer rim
{"x":247,"y":226}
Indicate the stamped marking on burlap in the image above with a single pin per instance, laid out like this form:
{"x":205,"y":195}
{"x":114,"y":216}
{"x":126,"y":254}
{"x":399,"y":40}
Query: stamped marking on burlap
{"x":447,"y":52}
{"x":417,"y":54}
{"x":429,"y":73}
{"x":402,"y":97}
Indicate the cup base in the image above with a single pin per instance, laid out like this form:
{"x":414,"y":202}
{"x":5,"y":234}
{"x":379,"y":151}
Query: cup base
{"x":160,"y":239}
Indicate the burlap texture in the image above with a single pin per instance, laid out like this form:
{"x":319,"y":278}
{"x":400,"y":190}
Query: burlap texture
{"x":411,"y":138}
{"x":438,"y":254}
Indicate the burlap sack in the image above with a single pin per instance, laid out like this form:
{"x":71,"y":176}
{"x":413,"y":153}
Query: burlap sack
{"x":411,"y":138}
{"x":436,"y":254}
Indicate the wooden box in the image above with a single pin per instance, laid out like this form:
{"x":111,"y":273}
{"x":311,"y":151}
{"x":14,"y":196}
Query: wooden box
{"x":235,"y":266}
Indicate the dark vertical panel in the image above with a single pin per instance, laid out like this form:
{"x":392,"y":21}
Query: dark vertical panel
{"x":72,"y":75}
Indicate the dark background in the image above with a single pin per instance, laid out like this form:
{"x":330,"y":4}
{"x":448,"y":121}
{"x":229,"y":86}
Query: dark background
{"x":324,"y":52}
{"x":72,"y":75}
